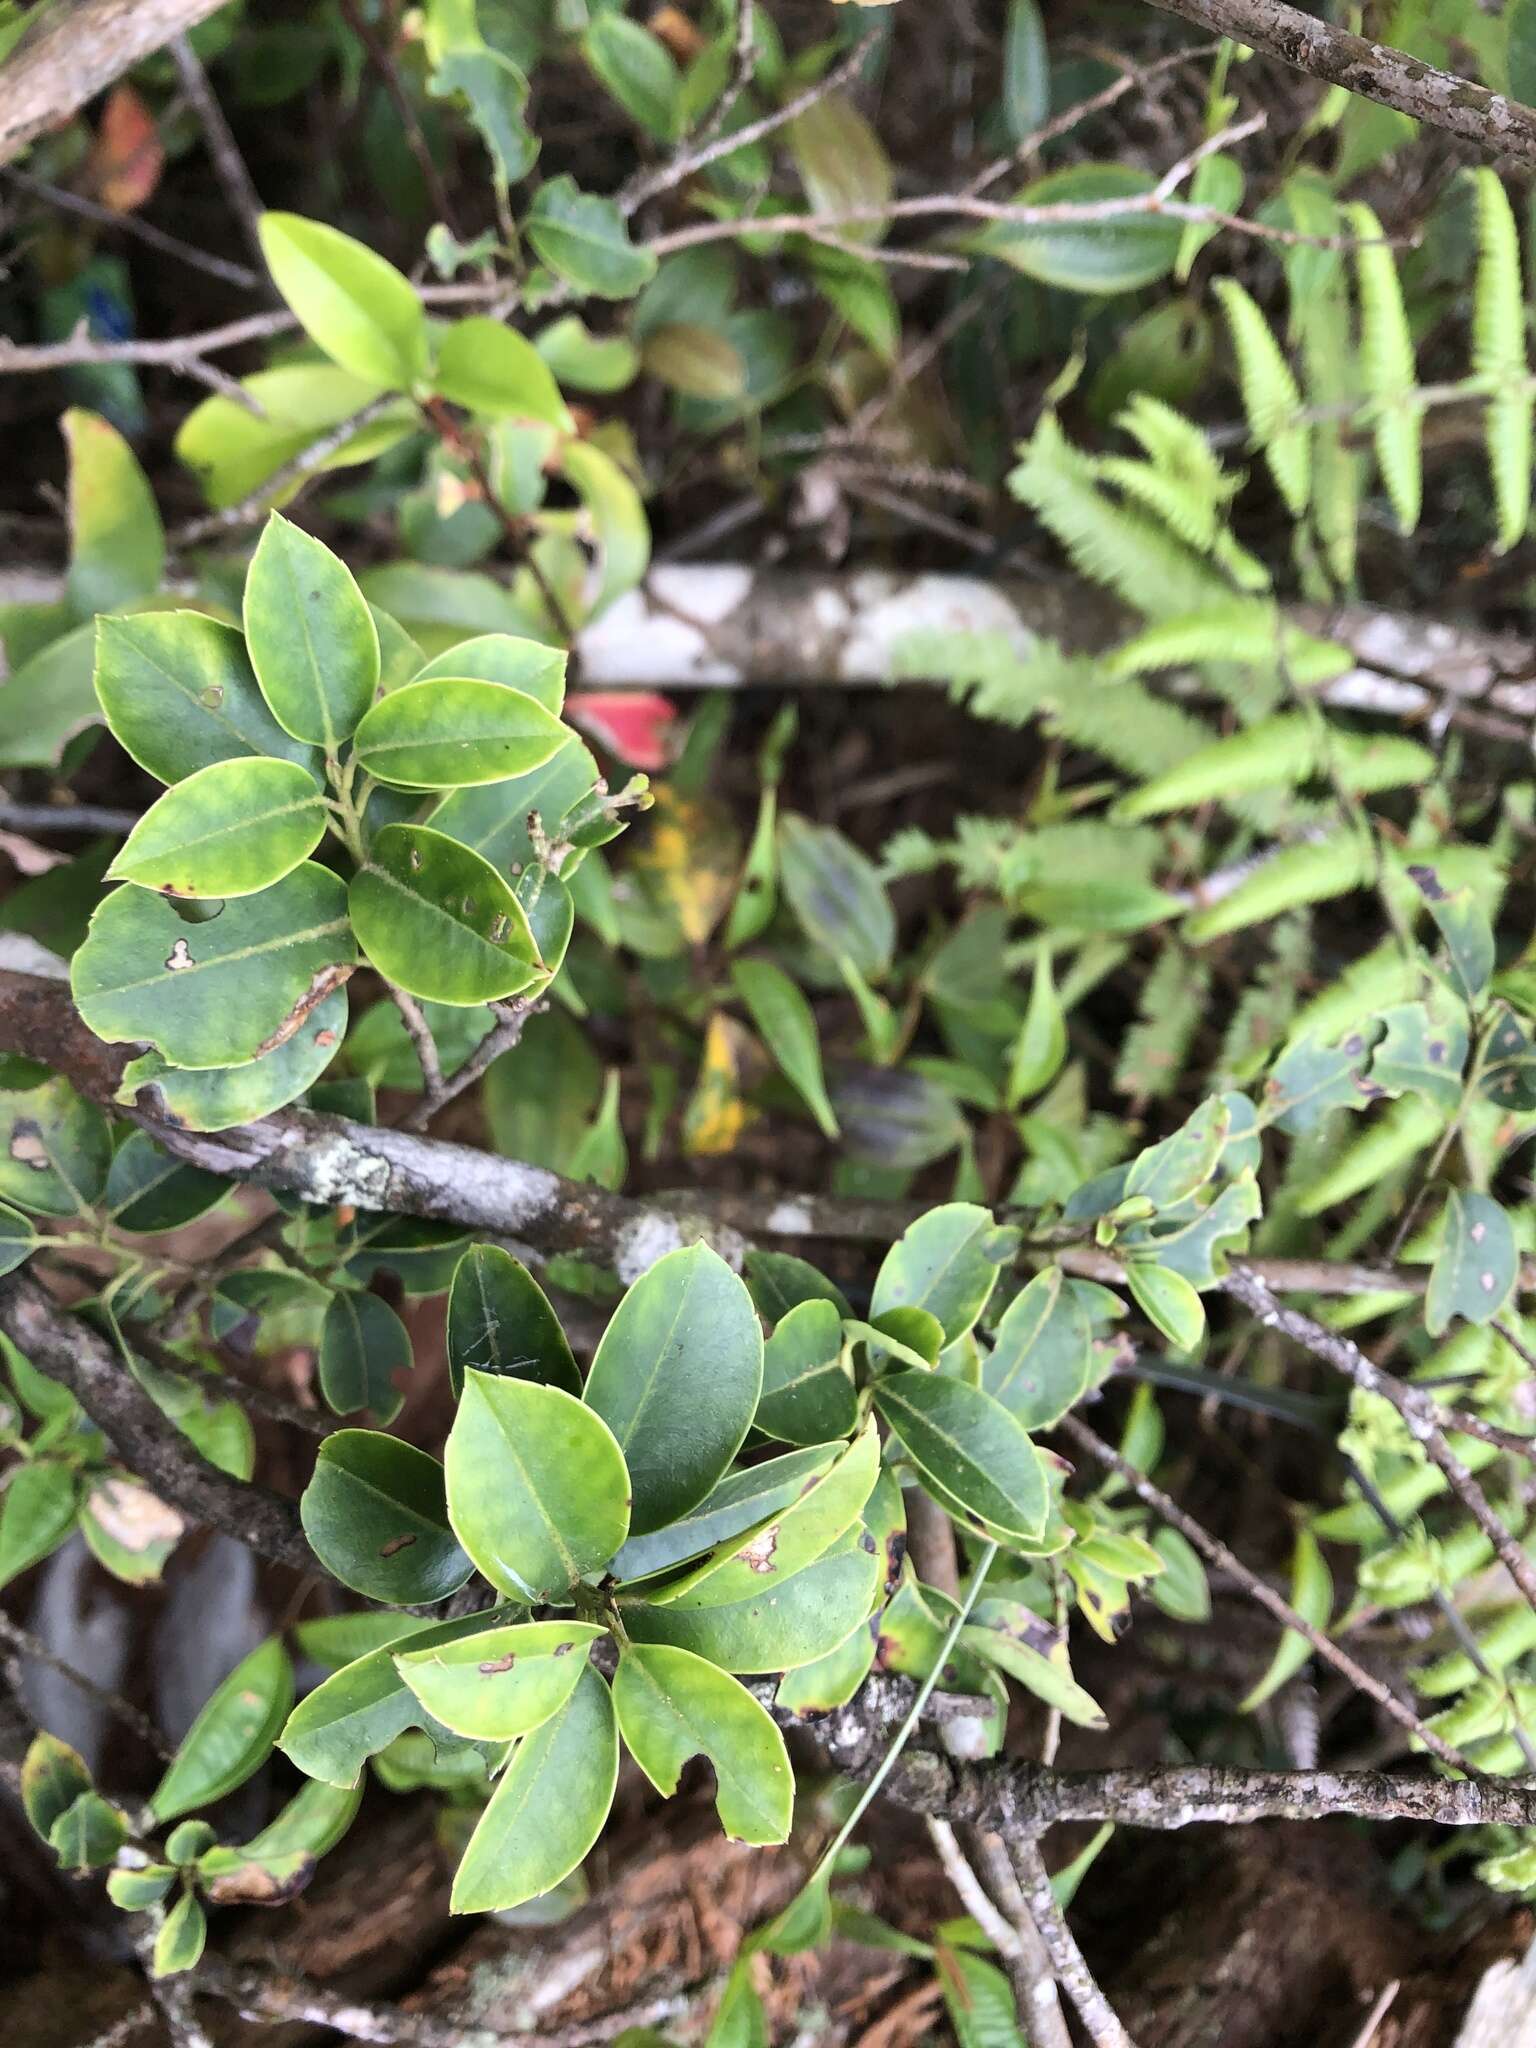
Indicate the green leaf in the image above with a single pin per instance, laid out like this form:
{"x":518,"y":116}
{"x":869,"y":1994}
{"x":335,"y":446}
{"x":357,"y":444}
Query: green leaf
{"x":1049,"y":1678}
{"x":697,"y":361}
{"x":361,"y":1708}
{"x":1181,"y":1588}
{"x":1117,"y":255}
{"x":485,"y":366}
{"x":615,"y":519}
{"x":1042,"y":1362}
{"x":584,"y":361}
{"x":788,"y":1027}
{"x":454,"y":732}
{"x":215,"y":1098}
{"x":231,"y":1737}
{"x":492,"y":820}
{"x":843,"y":164}
{"x":1270,"y":396}
{"x":55,"y":1149}
{"x":1476,"y":1267}
{"x":179,"y":693}
{"x":1169,"y":1172}
{"x":640,"y":72}
{"x":778,"y":1627}
{"x":970,"y":1446}
{"x":830,"y":1681}
{"x":1026,"y":71}
{"x":1387,"y":367}
{"x":53,"y":1777}
{"x":837,"y":895}
{"x":583,"y":238}
{"x":376,"y":1513}
{"x":234,"y":451}
{"x":179,"y":1941}
{"x":149,"y":1192}
{"x":526,"y":665}
{"x":677,"y":1377}
{"x":1040,"y":1050}
{"x":808,"y":1393}
{"x":357,"y":307}
{"x":1499,"y":351}
{"x":500,"y":1321}
{"x":440,"y":921}
{"x":363,"y":1347}
{"x":537,"y":1489}
{"x":1465,"y":929}
{"x":1169,"y":1302}
{"x":228,"y":830}
{"x":979,"y":2001}
{"x":502,"y":1683}
{"x":310,"y":635}
{"x":37,"y":1512}
{"x":549,"y":1807}
{"x":673,"y":1705}
{"x":128,"y":1529}
{"x":772,"y":1552}
{"x":222,"y":992}
{"x":116,"y":541}
{"x":1312,"y":1598}
{"x":947,"y":1262}
{"x":135,"y":1891}
{"x":1423,"y":1050}
{"x":1308,"y":1080}
{"x":48,"y":700}
{"x":739,"y":1502}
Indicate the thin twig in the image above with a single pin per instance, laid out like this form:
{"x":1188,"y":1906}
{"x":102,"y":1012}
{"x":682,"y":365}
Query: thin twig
{"x":419,"y":1031}
{"x":297,"y":469}
{"x":1067,"y":1959}
{"x":230,"y":166}
{"x":142,"y":230}
{"x":379,"y":57}
{"x":66,"y":818}
{"x":1034,"y":1989}
{"x":110,"y":1702}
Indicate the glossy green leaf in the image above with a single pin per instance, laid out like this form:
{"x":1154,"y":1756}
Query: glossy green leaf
{"x":1113,"y":255}
{"x":179,"y":693}
{"x":1169,"y":1302}
{"x":677,"y":1377}
{"x":228,"y":830}
{"x":1181,"y":1588}
{"x":493,"y":820}
{"x":37,"y":1512}
{"x":503,"y":1682}
{"x":947,"y":1263}
{"x":548,"y":1808}
{"x":537,"y":1489}
{"x":1048,"y":1677}
{"x":1166,"y":1173}
{"x":364,"y":1347}
{"x":116,"y":541}
{"x":219,"y":993}
{"x":808,"y":1393}
{"x":484,"y":365}
{"x":439,"y":921}
{"x":376,"y":1512}
{"x":831,"y":1680}
{"x":500,"y":1321}
{"x":970,"y":1445}
{"x":1465,"y":929}
{"x":361,"y":1708}
{"x":310,"y":635}
{"x":357,"y":307}
{"x":979,"y":2000}
{"x":180,"y":1938}
{"x":1476,"y":1267}
{"x":787,"y":1025}
{"x":1312,"y":1598}
{"x":454,"y":732}
{"x":837,"y":895}
{"x":215,"y":1098}
{"x":231,"y":1737}
{"x":135,"y":1891}
{"x":1026,"y":71}
{"x":639,"y":70}
{"x":673,"y":1705}
{"x":53,"y":1777}
{"x":149,"y":1192}
{"x":740,"y":1501}
{"x":526,"y":665}
{"x":1040,"y":1049}
{"x":1042,"y":1361}
{"x":584,"y":361}
{"x":55,"y":1148}
{"x":776,"y":1628}
{"x":583,"y":238}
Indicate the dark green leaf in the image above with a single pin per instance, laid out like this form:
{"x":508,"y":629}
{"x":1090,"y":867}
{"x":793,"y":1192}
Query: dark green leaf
{"x":583,"y":238}
{"x":947,"y":1263}
{"x":149,"y":1192}
{"x":673,"y":1705}
{"x":376,"y":1512}
{"x":500,"y":1321}
{"x":364,"y":1346}
{"x":55,"y":1149}
{"x":362,"y":1707}
{"x":232,"y":1736}
{"x":37,"y":1511}
{"x":808,"y":1393}
{"x":1465,"y":929}
{"x":836,"y":893}
{"x":1475,"y":1269}
{"x":738,"y":1503}
{"x":214,"y":1098}
{"x":970,"y":1445}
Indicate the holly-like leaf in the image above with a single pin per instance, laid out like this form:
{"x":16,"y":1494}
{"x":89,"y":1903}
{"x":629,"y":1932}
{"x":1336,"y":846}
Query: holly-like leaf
{"x":500,"y":1321}
{"x":677,"y":1377}
{"x":776,"y":1628}
{"x":970,"y":1446}
{"x":364,"y":1346}
{"x":228,"y":830}
{"x":808,"y":1393}
{"x":376,"y":1512}
{"x":216,"y":1098}
{"x":232,"y":1736}
{"x":537,"y":1488}
{"x":673,"y":1705}
{"x":503,"y":1682}
{"x":1475,"y":1269}
{"x":1168,"y":1173}
{"x":454,"y":732}
{"x":439,"y":921}
{"x":219,"y":992}
{"x":1308,"y":1080}
{"x":311,"y":636}
{"x":947,"y":1262}
{"x":548,"y":1808}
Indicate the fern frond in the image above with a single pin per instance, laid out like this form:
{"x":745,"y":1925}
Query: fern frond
{"x":990,"y":675}
{"x":1127,"y":726}
{"x":1388,"y":371}
{"x":912,"y":851}
{"x":1294,"y":877}
{"x":1180,"y":504}
{"x":1263,"y":1015}
{"x":1270,"y":397}
{"x":1499,"y":356}
{"x":1172,"y":1001}
{"x":1110,"y":543}
{"x":1250,"y":633}
{"x":1327,"y":355}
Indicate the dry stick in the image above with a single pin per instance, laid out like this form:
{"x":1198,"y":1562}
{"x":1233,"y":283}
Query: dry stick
{"x":1374,"y":70}
{"x":110,"y":1702}
{"x":142,"y":230}
{"x":75,"y":52}
{"x":239,"y":188}
{"x":1216,"y":1552}
{"x":1067,"y":1959}
{"x":743,"y":66}
{"x":511,"y":1017}
{"x":1016,"y":1940}
{"x":1412,"y":1404}
{"x":419,"y":1032}
{"x":66,"y":818}
{"x":1034,"y":1976}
